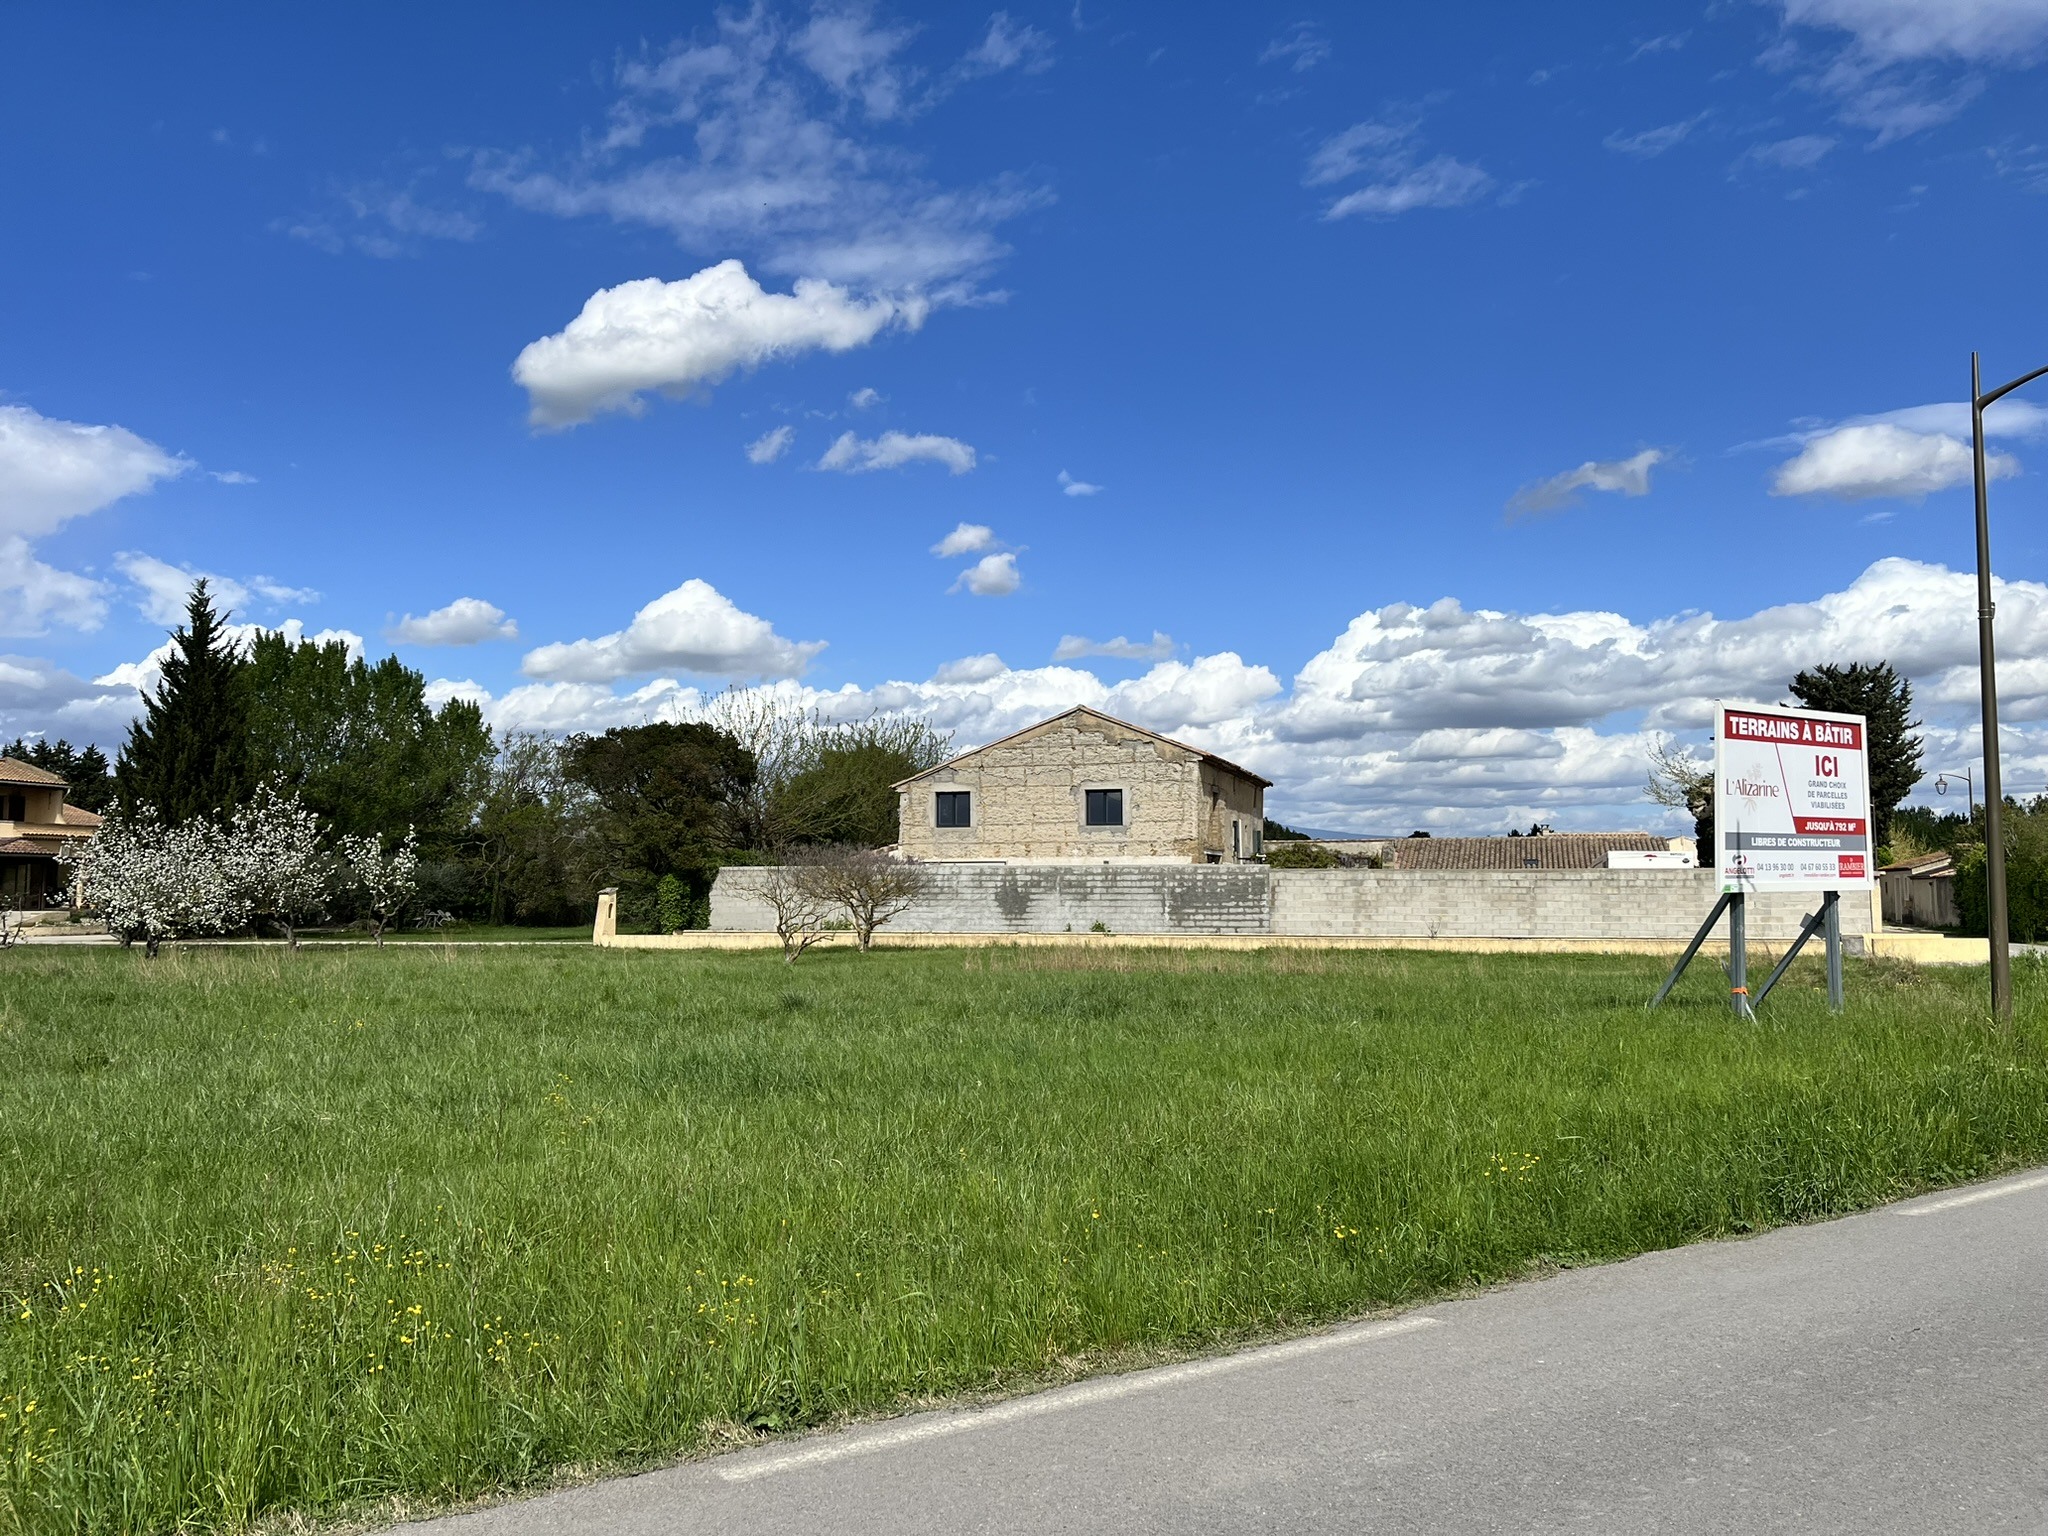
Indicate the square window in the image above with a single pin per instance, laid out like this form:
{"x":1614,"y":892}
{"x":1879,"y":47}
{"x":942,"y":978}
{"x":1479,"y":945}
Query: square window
{"x":1105,"y":807}
{"x":955,"y":808}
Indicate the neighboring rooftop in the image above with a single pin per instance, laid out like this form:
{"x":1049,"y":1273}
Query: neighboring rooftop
{"x":1082,"y":709}
{"x":1547,"y":850}
{"x":14,"y":771}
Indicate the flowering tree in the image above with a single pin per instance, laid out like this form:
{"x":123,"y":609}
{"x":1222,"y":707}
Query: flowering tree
{"x":153,"y":882}
{"x":274,"y":847}
{"x":387,"y":881}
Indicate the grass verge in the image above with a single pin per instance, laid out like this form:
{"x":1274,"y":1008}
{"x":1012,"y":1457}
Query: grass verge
{"x":292,"y":1232}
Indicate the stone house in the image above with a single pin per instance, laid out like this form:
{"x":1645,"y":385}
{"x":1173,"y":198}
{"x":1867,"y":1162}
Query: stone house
{"x":1085,"y":787}
{"x":34,"y":824}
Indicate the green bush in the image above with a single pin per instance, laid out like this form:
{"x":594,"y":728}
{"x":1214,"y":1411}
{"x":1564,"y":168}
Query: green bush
{"x":1304,"y":855}
{"x":2026,"y":880}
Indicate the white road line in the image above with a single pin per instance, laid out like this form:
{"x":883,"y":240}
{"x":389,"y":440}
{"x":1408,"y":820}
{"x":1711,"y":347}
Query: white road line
{"x":1975,"y":1195}
{"x":1059,"y":1400}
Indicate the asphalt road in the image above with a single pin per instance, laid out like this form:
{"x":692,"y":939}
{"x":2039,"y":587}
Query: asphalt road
{"x":1887,"y":1372}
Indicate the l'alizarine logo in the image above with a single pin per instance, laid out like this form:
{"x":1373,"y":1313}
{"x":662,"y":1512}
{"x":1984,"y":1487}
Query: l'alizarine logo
{"x":1752,"y":789}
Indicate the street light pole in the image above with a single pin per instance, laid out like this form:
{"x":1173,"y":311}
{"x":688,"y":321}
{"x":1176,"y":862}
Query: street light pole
{"x":1987,"y":675}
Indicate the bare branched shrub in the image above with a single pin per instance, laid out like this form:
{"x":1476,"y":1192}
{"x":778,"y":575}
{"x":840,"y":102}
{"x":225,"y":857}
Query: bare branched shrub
{"x":872,"y":887}
{"x":793,"y":893}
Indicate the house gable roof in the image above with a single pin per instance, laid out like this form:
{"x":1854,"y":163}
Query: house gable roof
{"x":14,"y":771}
{"x":1095,"y":714}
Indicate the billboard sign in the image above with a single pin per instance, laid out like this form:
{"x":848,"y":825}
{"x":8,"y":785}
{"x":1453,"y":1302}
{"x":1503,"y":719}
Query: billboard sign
{"x":1791,"y":800}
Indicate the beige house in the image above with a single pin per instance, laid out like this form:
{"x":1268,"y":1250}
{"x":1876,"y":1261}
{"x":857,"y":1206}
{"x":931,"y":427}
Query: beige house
{"x":34,"y":824}
{"x":1085,"y":786}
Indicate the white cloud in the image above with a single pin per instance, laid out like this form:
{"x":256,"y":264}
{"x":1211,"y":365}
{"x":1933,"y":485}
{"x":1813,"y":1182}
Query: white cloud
{"x":378,"y":220}
{"x":972,"y":669}
{"x":1439,"y":183}
{"x":853,"y":455}
{"x":1856,"y":463}
{"x":843,"y":47}
{"x":34,"y":596}
{"x":1907,"y":65}
{"x":1073,"y":647}
{"x":1010,"y":44}
{"x":232,"y":477}
{"x":52,"y":471}
{"x":966,"y":539}
{"x":1387,"y":151}
{"x":771,"y":445}
{"x":1652,"y":142}
{"x":1072,"y":487}
{"x":1977,"y":31}
{"x":746,"y":140}
{"x":864,"y":399}
{"x":1301,"y":47}
{"x":1628,"y":477}
{"x":693,"y":628}
{"x":693,"y":332}
{"x":991,"y":576}
{"x":1802,"y":152}
{"x":162,"y":589}
{"x":466,"y":621}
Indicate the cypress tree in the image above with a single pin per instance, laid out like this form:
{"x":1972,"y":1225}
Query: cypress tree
{"x":1885,"y":700}
{"x":189,"y":753}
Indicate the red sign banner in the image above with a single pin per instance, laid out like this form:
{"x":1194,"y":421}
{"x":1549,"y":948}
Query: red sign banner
{"x":1791,"y":730}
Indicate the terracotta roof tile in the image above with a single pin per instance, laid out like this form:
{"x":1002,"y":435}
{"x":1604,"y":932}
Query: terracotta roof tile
{"x":1551,"y":850}
{"x":79,"y":816}
{"x":14,"y":771}
{"x":45,"y":846}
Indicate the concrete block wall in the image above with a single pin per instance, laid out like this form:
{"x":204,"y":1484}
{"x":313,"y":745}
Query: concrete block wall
{"x":1537,"y":904}
{"x":1661,"y":904}
{"x":1050,"y":898}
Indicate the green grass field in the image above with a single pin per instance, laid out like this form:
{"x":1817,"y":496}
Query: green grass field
{"x":308,"y":1232}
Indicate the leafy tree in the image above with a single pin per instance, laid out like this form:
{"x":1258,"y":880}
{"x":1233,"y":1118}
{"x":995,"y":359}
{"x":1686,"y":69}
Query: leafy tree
{"x":2026,"y":876}
{"x":532,"y":853}
{"x":843,"y":788}
{"x":189,"y":753}
{"x":84,"y":769}
{"x":1885,"y":700}
{"x":360,"y":743}
{"x":1276,"y":832}
{"x":671,"y":796}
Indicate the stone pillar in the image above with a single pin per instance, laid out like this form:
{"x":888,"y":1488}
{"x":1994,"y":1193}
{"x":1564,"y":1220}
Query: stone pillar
{"x":606,"y":928}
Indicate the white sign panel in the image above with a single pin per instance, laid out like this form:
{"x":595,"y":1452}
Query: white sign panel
{"x":1791,"y":800}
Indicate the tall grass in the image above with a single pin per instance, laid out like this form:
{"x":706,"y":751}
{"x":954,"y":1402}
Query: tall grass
{"x":288,"y":1232}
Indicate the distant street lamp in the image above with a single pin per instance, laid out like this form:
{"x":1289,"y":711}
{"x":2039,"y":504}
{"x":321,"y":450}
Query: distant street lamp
{"x":1969,"y":789}
{"x":1987,"y":675}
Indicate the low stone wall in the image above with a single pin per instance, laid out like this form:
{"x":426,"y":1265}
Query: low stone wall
{"x":1252,"y":900}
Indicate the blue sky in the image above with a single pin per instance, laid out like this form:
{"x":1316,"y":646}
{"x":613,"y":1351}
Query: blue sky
{"x":1427,"y":409}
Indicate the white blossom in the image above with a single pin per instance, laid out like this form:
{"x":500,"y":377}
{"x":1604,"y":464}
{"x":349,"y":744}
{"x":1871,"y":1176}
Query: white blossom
{"x":386,"y":881}
{"x":153,"y":882}
{"x":277,"y":854}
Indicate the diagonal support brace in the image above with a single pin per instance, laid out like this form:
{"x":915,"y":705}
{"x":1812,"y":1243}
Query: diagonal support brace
{"x":1693,"y":948}
{"x":1808,"y":927}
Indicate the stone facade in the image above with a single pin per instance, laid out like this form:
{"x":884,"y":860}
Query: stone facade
{"x":1027,"y":797}
{"x":1570,"y":906}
